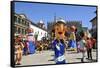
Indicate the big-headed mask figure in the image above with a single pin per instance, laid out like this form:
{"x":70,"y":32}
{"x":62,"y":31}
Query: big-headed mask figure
{"x":58,"y":42}
{"x":31,"y":41}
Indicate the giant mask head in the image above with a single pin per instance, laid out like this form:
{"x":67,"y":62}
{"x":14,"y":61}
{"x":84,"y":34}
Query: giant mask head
{"x":60,"y":29}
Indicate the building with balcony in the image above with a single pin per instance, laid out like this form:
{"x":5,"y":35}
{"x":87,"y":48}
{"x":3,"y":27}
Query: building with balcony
{"x":94,"y":26}
{"x":21,"y":24}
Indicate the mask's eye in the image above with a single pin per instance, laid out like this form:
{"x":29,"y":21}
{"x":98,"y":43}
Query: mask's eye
{"x":57,"y":28}
{"x":64,"y":29}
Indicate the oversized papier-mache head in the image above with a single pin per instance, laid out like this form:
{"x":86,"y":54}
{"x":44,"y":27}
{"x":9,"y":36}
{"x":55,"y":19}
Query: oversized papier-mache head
{"x":73,"y":28}
{"x":30,"y":30}
{"x":30,"y":36}
{"x":60,"y":29}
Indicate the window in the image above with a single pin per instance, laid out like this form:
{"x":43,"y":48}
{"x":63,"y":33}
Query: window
{"x":15,"y":18}
{"x":19,"y":20}
{"x":26,"y":31}
{"x":27,"y":24}
{"x":23,"y":22}
{"x":23,"y":31}
{"x":19,"y":30}
{"x":15,"y":30}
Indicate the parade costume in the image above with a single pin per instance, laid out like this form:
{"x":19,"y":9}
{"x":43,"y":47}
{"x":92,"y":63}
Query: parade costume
{"x":30,"y":43}
{"x":18,"y":50}
{"x":72,"y":41}
{"x":59,"y":49}
{"x":25,"y":49}
{"x":58,"y":43}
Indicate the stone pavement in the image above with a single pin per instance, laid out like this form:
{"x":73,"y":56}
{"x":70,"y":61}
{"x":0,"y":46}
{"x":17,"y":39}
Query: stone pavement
{"x":46,"y":57}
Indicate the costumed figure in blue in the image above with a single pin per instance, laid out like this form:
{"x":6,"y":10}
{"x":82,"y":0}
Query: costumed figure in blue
{"x":72,"y":38}
{"x":58,"y":42}
{"x":59,"y":49}
{"x":31,"y":41}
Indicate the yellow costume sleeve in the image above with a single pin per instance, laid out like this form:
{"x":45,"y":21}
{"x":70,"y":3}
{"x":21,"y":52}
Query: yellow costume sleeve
{"x":72,"y":36}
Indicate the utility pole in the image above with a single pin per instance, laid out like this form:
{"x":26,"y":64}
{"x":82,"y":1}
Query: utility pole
{"x":54,"y":17}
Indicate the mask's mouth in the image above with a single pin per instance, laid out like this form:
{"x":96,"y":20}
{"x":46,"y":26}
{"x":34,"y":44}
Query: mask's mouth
{"x":60,"y":32}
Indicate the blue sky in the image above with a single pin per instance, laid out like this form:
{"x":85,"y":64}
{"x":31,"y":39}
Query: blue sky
{"x":46,"y":12}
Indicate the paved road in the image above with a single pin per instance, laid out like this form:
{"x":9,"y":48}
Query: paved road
{"x":46,"y":57}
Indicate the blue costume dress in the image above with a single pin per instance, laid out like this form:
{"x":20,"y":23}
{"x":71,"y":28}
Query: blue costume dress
{"x":31,"y":44}
{"x":59,"y":50}
{"x":72,"y":41}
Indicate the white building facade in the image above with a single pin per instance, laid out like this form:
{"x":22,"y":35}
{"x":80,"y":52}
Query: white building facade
{"x":40,"y":32}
